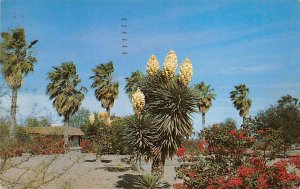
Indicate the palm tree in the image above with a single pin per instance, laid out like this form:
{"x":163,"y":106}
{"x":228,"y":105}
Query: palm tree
{"x":240,"y":100}
{"x":206,"y":96}
{"x":17,"y":61}
{"x":132,"y":82}
{"x":106,"y":89}
{"x":62,"y":89}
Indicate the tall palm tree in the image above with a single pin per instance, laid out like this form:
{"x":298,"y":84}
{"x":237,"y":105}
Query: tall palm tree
{"x":206,"y":96}
{"x":106,"y":89}
{"x":62,"y":89}
{"x":17,"y":61}
{"x":240,"y":100}
{"x":132,"y":82}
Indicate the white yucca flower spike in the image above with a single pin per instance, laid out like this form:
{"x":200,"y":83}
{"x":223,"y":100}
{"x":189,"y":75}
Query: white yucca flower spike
{"x":138,"y":101}
{"x":105,"y":117}
{"x":170,"y":65}
{"x":152,"y":65}
{"x":186,"y":72}
{"x":92,"y":118}
{"x":102,"y":115}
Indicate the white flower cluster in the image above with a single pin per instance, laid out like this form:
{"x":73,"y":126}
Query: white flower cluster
{"x":186,"y":72}
{"x":152,"y":65}
{"x":138,"y":101}
{"x":92,"y":118}
{"x":170,"y":65}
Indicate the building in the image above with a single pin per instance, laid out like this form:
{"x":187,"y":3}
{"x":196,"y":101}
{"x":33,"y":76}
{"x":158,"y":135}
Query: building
{"x":75,"y":135}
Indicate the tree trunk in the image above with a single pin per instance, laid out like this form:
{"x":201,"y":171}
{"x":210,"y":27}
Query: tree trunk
{"x":158,"y":166}
{"x":66,"y":137}
{"x":244,"y":120}
{"x":203,"y":120}
{"x":13,"y":112}
{"x":108,"y":110}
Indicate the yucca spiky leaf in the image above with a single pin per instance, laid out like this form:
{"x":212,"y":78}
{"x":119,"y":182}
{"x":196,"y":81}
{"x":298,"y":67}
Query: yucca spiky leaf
{"x":140,"y":134}
{"x":171,"y":106}
{"x":148,"y":181}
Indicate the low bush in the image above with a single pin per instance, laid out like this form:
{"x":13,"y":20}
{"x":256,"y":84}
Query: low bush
{"x":228,"y":158}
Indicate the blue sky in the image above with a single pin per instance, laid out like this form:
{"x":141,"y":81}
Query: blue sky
{"x":228,"y":42}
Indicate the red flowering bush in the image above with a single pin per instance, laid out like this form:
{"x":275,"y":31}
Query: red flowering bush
{"x":10,"y":148}
{"x":228,"y":158}
{"x":87,"y":146}
{"x":46,"y":145}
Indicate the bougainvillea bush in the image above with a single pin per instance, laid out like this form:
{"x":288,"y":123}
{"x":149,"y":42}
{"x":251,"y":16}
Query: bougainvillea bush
{"x":228,"y":158}
{"x":46,"y":145}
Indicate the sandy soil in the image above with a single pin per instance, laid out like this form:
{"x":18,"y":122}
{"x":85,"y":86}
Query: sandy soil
{"x":77,"y":171}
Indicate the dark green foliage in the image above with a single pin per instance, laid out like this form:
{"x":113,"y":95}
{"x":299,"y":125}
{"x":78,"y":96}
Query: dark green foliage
{"x":241,"y":101}
{"x":149,"y":182}
{"x":106,"y":89}
{"x":140,"y":135}
{"x":119,"y":130}
{"x":16,"y":56}
{"x":132,"y":82}
{"x":108,"y":139}
{"x":285,"y":115}
{"x":170,"y":105}
{"x":80,"y":118}
{"x":35,"y":122}
{"x":206,"y":96}
{"x":63,"y":89}
{"x":16,"y":62}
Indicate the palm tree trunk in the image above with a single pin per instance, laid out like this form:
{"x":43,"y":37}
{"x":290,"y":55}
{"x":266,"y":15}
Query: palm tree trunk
{"x":203,"y":120}
{"x":158,"y":166}
{"x":108,"y":110}
{"x":13,"y":112}
{"x":244,"y":120}
{"x":66,"y":137}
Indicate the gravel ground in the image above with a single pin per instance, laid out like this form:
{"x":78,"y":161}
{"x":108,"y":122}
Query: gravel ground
{"x":77,"y":171}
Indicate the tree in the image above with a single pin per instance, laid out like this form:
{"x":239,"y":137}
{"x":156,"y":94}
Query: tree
{"x":17,"y":61}
{"x":284,"y":115}
{"x":80,"y":118}
{"x":288,"y":100}
{"x":132,"y":82}
{"x":106,"y":89}
{"x":169,"y":102}
{"x":35,"y":122}
{"x":62,"y":89}
{"x":240,"y":100}
{"x":206,"y":96}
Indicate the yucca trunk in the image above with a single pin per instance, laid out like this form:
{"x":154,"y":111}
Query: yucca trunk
{"x":66,"y":137}
{"x":158,"y":165}
{"x":203,"y":120}
{"x":13,"y":112}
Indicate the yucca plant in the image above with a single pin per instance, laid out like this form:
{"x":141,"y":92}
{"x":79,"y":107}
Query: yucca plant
{"x":148,"y":181}
{"x":169,"y":102}
{"x":241,"y":100}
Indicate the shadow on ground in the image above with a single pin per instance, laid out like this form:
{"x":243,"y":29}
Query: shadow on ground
{"x":114,"y":169}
